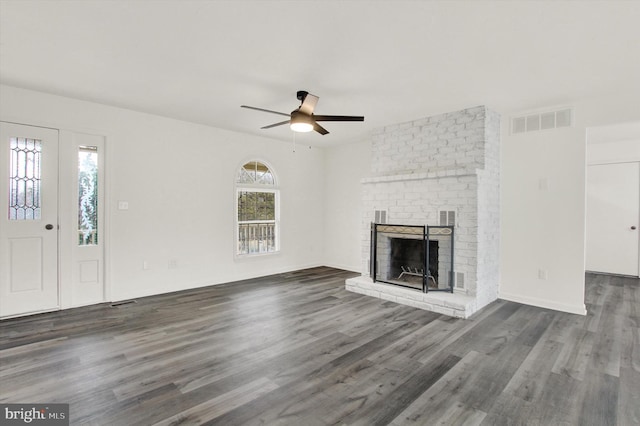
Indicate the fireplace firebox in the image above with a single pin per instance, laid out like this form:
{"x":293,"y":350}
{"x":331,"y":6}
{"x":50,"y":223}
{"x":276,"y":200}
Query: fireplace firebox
{"x":418,"y":257}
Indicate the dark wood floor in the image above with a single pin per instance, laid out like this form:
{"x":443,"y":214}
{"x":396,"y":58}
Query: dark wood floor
{"x":297,"y":349}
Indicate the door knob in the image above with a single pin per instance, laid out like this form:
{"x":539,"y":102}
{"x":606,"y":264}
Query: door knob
{"x":49,"y":227}
{"x":633,"y":227}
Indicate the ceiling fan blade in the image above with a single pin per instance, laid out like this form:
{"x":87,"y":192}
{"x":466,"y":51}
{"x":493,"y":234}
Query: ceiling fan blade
{"x":265,"y":110}
{"x":308,"y":104}
{"x":318,"y":128}
{"x":275,"y":124}
{"x":338,"y":118}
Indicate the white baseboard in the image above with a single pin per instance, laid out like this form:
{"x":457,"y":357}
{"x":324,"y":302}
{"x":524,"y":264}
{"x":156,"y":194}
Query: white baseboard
{"x":350,"y":268}
{"x":544,"y":303}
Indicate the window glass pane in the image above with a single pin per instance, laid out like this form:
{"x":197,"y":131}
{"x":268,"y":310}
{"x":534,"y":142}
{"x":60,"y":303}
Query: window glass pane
{"x":256,"y":238}
{"x":244,"y":176}
{"x":263,"y":174}
{"x":255,"y":172}
{"x":24,"y":178}
{"x":87,"y":195}
{"x":253,"y":205}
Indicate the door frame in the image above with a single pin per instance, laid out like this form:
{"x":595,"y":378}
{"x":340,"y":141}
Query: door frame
{"x":67,"y":164}
{"x":612,"y":144}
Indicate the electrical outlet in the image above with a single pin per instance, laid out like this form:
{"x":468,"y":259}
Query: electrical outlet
{"x":173,"y":263}
{"x":542,"y":274}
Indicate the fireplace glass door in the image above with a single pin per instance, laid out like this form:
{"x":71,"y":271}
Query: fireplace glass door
{"x":418,"y":257}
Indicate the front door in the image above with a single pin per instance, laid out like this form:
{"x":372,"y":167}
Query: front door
{"x":29,"y":219}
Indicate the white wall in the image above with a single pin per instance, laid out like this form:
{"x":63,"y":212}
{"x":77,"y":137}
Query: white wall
{"x":345,"y":166}
{"x":618,"y":143}
{"x":613,"y":152}
{"x":178,"y":179}
{"x":544,"y":229}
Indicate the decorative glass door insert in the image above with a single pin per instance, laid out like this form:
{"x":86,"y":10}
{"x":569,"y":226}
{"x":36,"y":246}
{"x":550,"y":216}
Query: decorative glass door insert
{"x":25,"y":179}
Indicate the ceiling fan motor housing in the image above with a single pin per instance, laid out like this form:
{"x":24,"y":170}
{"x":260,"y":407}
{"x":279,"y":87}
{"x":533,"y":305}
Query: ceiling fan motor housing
{"x":301,"y":94}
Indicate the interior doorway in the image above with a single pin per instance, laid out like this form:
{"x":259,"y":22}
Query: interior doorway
{"x":613,"y":200}
{"x":613,"y":207}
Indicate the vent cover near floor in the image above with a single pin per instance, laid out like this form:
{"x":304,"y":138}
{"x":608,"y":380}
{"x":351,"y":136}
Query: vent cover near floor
{"x":459,"y":280}
{"x":122,"y":303}
{"x":542,"y":121}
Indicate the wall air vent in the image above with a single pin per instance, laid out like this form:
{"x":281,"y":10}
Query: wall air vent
{"x":447,"y":218}
{"x":380,"y":216}
{"x":542,"y":121}
{"x":459,"y":280}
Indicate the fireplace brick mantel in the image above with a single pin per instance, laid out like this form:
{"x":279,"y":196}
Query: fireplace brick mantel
{"x":420,"y":176}
{"x":445,"y":162}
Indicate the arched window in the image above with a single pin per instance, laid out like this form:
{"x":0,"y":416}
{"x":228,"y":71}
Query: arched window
{"x":257,"y":209}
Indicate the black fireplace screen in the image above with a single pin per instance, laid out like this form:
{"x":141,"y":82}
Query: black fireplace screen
{"x":419,"y":257}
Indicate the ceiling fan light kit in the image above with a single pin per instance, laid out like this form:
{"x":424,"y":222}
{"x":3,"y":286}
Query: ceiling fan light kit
{"x":301,"y":122}
{"x":303,"y":119}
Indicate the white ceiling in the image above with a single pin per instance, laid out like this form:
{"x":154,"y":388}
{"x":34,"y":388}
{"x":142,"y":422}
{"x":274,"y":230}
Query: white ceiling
{"x":390,"y":61}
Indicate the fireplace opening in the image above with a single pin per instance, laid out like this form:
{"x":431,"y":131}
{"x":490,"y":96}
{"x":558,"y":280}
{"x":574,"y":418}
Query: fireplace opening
{"x":418,"y":257}
{"x":406,"y":262}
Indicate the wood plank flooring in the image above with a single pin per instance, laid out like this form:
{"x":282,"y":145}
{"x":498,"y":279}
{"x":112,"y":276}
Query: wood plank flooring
{"x":297,"y":349}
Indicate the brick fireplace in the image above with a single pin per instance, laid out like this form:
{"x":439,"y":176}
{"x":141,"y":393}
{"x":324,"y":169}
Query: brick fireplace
{"x":440,"y":170}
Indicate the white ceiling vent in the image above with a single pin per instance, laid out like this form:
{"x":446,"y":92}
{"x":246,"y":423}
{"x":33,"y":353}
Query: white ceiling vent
{"x":542,"y":121}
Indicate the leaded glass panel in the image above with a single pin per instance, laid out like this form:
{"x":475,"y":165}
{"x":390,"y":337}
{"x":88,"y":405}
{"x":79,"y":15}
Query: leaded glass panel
{"x":24,"y":179}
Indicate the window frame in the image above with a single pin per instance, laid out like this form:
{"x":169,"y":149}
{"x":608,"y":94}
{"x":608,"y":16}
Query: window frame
{"x":259,"y":188}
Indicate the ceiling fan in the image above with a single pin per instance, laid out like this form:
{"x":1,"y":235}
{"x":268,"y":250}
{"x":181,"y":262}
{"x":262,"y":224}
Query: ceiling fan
{"x":302,"y":119}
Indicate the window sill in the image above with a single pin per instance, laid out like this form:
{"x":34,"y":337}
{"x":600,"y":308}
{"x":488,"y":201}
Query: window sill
{"x":248,"y":256}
